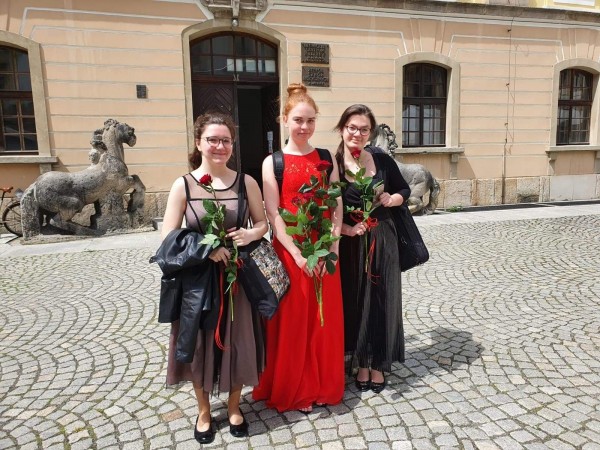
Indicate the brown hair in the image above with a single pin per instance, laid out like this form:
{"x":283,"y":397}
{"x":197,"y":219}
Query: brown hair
{"x":297,"y":93}
{"x":353,"y":110}
{"x":210,"y":118}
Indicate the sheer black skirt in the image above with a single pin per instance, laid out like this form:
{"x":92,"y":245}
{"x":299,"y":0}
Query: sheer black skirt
{"x":374,"y":335}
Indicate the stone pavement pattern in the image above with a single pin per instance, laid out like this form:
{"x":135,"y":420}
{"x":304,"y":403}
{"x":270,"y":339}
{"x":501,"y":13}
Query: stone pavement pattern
{"x":503,"y":349}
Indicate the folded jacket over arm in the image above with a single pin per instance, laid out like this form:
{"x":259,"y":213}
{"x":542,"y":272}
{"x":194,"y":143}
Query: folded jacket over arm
{"x":189,"y":287}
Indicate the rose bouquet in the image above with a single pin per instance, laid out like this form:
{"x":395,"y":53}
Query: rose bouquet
{"x":369,"y":192}
{"x":311,"y":230}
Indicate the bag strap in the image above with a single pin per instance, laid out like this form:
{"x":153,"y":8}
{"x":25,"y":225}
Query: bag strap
{"x":279,"y":164}
{"x":242,"y":200}
{"x":188,"y":198}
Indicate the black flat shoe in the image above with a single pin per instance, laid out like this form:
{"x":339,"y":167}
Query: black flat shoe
{"x":377,"y":387}
{"x":362,"y":386}
{"x":204,"y":437}
{"x":241,"y":430}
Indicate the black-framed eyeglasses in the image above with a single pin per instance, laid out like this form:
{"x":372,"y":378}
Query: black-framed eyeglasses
{"x":215,"y":141}
{"x":363,"y":131}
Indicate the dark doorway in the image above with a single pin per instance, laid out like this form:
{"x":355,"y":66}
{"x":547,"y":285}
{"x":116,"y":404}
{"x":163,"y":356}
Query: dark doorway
{"x":237,"y":74}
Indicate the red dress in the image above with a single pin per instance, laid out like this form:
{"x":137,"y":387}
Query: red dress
{"x":305,"y":362}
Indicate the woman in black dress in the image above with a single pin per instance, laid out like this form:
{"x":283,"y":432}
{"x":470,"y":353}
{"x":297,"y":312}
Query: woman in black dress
{"x":370,"y":270}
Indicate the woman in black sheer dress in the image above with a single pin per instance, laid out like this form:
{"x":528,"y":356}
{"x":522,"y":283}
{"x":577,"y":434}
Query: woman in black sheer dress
{"x":371,"y":283}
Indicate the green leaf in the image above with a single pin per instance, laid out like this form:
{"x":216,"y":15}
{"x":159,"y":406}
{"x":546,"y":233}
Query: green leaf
{"x":330,"y":266}
{"x":302,"y":218}
{"x":312,"y":261}
{"x":321,"y":253}
{"x":210,"y":239}
{"x":287,"y":216}
{"x":209,"y":206}
{"x":292,"y":230}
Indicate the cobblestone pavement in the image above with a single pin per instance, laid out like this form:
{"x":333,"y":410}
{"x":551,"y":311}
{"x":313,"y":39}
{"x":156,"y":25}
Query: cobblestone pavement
{"x":503,"y":349}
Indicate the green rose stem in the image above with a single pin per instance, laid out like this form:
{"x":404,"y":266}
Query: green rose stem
{"x":367,"y":195}
{"x":215,"y":221}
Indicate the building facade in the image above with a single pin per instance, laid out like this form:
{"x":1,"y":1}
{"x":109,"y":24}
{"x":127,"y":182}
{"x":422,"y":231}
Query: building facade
{"x":497,"y":98}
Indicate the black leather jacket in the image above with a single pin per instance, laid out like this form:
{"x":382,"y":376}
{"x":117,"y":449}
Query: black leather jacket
{"x":189,"y":288}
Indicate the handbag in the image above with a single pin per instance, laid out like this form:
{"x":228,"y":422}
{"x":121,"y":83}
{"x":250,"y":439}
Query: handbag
{"x":261,"y":273}
{"x":411,"y":248}
{"x":263,"y":276}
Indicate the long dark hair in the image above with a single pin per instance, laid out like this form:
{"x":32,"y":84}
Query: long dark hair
{"x":210,"y":118}
{"x":353,"y":110}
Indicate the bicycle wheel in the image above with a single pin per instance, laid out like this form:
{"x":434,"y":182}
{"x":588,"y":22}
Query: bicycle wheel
{"x":11,"y":218}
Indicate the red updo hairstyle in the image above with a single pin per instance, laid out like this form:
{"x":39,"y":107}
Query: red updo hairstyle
{"x":297,"y":93}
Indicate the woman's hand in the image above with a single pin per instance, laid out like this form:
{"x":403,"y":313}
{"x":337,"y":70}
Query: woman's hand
{"x":359,"y":229}
{"x":220,"y":254}
{"x":240,"y":236}
{"x":301,"y":263}
{"x":388,"y":200}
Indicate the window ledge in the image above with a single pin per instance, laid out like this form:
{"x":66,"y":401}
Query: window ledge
{"x":554,"y":150}
{"x":429,"y":150}
{"x":452,"y":152}
{"x":27,"y":159}
{"x":572,"y":148}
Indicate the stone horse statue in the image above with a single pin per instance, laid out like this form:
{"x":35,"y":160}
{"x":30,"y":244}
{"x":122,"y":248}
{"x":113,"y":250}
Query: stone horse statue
{"x":61,"y":195}
{"x":417,"y":176}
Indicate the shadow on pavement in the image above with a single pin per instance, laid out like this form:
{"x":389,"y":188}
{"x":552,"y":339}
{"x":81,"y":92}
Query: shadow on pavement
{"x":444,"y":350}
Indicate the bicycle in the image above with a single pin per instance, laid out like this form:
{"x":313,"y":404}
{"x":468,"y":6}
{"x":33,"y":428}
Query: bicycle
{"x":11,"y":216}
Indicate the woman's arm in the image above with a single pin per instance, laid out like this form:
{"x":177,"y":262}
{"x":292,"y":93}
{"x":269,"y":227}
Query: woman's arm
{"x":175,"y":209}
{"x":399,"y":190}
{"x":337,"y":213}
{"x":244,"y":236}
{"x":271,"y":193}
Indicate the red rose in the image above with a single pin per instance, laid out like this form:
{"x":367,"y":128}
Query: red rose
{"x":356,"y":154}
{"x":297,"y":201}
{"x":357,"y":215}
{"x":206,"y":180}
{"x":308,"y":196}
{"x":323,"y":165}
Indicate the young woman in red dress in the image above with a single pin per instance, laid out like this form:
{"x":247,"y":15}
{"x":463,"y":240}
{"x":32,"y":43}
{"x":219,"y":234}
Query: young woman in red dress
{"x":305,"y":361}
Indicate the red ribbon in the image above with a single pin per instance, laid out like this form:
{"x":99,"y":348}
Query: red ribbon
{"x":218,"y":330}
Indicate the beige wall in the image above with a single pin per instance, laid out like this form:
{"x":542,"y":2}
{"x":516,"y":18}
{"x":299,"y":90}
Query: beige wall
{"x":93,"y":57}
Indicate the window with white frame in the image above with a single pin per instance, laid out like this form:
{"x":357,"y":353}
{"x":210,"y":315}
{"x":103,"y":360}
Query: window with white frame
{"x":424,"y":103}
{"x":574,"y":107}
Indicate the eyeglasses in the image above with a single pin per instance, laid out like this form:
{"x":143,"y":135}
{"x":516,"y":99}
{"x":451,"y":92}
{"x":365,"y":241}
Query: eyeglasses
{"x":215,"y":141}
{"x":363,"y":131}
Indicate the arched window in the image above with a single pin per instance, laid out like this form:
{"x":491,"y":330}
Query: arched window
{"x":424,"y":105}
{"x":17,"y":120}
{"x":574,"y":107}
{"x":245,"y":57}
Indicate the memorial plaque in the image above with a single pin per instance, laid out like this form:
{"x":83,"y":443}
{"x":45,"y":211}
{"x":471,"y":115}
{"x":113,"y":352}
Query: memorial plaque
{"x":314,"y":53}
{"x":315,"y":76}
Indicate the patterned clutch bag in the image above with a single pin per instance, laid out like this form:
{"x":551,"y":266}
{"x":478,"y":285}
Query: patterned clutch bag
{"x":271,"y":267}
{"x":263,"y":277}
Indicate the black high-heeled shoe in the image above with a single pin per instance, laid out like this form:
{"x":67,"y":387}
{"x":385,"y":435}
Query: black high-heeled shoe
{"x":240,"y":430}
{"x":362,"y":386}
{"x":204,"y":437}
{"x":377,"y":387}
